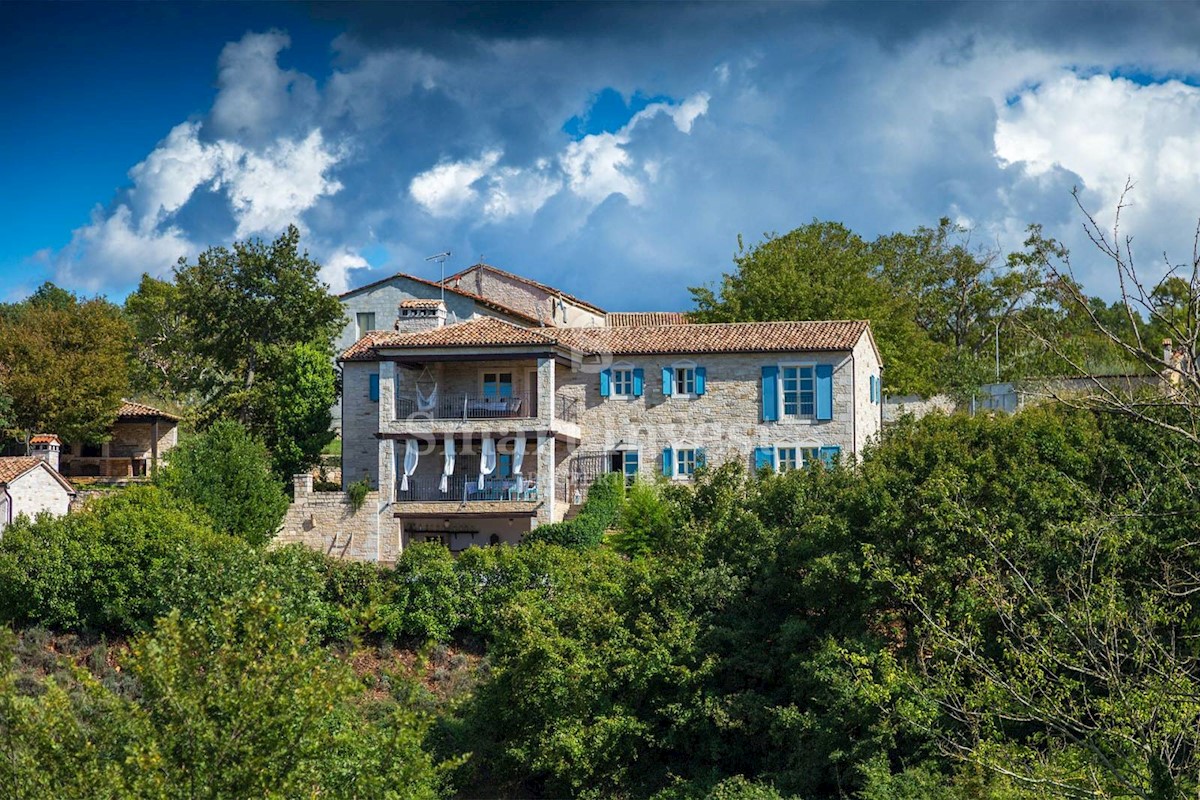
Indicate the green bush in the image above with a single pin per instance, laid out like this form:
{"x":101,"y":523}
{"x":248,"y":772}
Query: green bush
{"x":645,"y":521}
{"x":116,"y":566}
{"x":227,"y":473}
{"x":600,"y":512}
{"x":426,"y":602}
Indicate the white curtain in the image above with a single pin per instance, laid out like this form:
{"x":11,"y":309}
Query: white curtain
{"x":448,"y":464}
{"x":487,"y":464}
{"x":518,"y":461}
{"x":411,"y":452}
{"x":426,"y":402}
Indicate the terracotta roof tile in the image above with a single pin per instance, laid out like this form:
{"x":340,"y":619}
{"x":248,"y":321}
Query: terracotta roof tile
{"x":724,"y":337}
{"x":45,"y":438}
{"x":727,"y":337}
{"x":619,"y":319}
{"x":131,"y":410}
{"x":13,"y":467}
{"x":479,"y":332}
{"x":420,"y":303}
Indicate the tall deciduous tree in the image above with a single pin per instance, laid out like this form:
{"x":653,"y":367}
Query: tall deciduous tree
{"x":247,"y":304}
{"x":823,"y":270}
{"x":164,"y":361}
{"x":65,"y":363}
{"x":261,"y":323}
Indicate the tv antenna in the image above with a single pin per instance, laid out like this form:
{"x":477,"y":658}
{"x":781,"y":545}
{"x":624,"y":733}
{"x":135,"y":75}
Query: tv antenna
{"x":441,"y":259}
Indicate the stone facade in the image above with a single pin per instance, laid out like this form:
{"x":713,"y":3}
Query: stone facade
{"x":33,"y":492}
{"x":543,"y":303}
{"x":727,"y":421}
{"x":128,"y":454}
{"x":325,"y":521}
{"x":382,"y":301}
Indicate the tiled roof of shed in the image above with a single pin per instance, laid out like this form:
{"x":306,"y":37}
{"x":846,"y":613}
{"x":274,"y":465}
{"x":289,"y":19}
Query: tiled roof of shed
{"x":44,"y":438}
{"x":726,"y":337}
{"x":618,"y":319}
{"x":13,"y":467}
{"x":131,"y":410}
{"x":479,"y":332}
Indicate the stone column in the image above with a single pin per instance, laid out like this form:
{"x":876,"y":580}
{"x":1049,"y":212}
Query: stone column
{"x":545,"y":387}
{"x":545,"y":478}
{"x":387,"y":393}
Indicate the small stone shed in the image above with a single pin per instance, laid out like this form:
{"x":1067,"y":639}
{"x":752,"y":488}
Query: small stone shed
{"x":30,"y":485}
{"x":140,"y":437}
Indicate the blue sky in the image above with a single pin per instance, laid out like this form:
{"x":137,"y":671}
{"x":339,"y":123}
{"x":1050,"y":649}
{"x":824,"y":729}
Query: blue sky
{"x":615,"y":150}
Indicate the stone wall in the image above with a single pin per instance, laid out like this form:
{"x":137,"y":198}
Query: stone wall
{"x":324,"y":521}
{"x":532,"y":300}
{"x":727,"y":420}
{"x":36,"y":491}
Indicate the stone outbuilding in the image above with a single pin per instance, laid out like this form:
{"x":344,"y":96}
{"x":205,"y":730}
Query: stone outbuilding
{"x":140,"y":437}
{"x":30,"y":485}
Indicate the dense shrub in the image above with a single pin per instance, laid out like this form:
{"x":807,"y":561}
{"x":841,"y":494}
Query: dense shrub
{"x":425,"y":601}
{"x":600,"y":512}
{"x":227,"y":473}
{"x":129,"y":558}
{"x":236,"y":703}
{"x":645,"y":521}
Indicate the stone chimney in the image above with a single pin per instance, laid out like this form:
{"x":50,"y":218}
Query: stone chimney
{"x":47,"y":447}
{"x":420,"y":315}
{"x":302,"y":485}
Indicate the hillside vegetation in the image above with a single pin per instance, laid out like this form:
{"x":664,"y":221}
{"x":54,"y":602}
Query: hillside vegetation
{"x":983,"y":608}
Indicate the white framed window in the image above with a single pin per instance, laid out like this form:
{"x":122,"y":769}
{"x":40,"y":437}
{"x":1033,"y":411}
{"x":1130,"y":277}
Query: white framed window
{"x":795,"y":456}
{"x":684,"y":382}
{"x":622,"y":381}
{"x":685,"y":462}
{"x":496,"y":384}
{"x":798,"y":390}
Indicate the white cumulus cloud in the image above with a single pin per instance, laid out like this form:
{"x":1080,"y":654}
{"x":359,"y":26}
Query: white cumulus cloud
{"x":336,"y":269}
{"x":270,"y":189}
{"x":113,"y":249}
{"x":448,"y":188}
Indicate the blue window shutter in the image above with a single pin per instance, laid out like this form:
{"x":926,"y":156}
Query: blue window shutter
{"x":701,"y":375}
{"x":828,"y":454}
{"x":764,"y":457}
{"x":668,"y":466}
{"x":605,"y":382}
{"x":701,"y":458}
{"x":374,"y":390}
{"x":668,"y":380}
{"x":872,"y":388}
{"x":770,"y":393}
{"x":824,"y":391}
{"x":639,"y":379}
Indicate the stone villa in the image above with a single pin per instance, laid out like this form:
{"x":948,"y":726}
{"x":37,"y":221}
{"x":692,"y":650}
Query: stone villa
{"x":478,"y":417}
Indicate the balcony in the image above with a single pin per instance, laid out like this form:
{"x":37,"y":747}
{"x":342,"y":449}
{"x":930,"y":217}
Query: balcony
{"x":466,"y":489}
{"x":467,"y":406}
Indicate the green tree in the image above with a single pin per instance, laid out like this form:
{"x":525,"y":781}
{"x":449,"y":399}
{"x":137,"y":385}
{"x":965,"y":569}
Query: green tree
{"x":164,"y":361}
{"x":823,"y":270}
{"x":291,"y":408}
{"x":226,"y":472}
{"x":65,"y":364}
{"x":248,"y":305}
{"x":961,"y":295}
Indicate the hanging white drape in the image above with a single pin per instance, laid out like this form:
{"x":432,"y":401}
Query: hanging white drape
{"x":448,"y":464}
{"x":518,"y":461}
{"x":487,"y":463}
{"x":411,"y":452}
